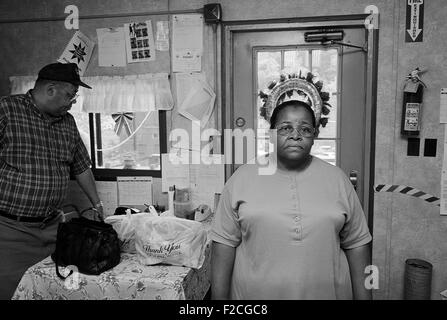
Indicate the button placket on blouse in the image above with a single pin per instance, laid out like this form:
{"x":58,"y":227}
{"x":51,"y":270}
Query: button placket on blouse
{"x":297,"y":217}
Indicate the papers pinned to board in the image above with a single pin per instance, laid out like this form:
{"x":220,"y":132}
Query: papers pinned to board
{"x":443,"y":120}
{"x":204,"y":180}
{"x":187,"y":42}
{"x":195,"y":96}
{"x":111,"y":47}
{"x":173,"y":174}
{"x":140,"y":45}
{"x":79,"y":50}
{"x":108,"y":193}
{"x":162,"y":39}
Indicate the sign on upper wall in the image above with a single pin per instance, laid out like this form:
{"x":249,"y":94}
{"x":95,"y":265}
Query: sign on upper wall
{"x":139,"y":41}
{"x":78,"y":50}
{"x":414,"y":25}
{"x":187,"y":42}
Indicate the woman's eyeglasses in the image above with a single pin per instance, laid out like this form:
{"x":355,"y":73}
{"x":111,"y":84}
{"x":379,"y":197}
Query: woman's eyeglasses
{"x":303,"y":130}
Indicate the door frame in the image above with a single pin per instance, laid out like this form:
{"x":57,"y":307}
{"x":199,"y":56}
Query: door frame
{"x":344,"y":21}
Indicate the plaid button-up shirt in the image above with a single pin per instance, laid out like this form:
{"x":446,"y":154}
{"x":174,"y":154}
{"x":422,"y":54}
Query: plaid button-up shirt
{"x":36,"y":157}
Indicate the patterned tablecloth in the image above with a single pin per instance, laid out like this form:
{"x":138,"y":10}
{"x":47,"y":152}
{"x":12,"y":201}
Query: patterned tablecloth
{"x":128,"y":280}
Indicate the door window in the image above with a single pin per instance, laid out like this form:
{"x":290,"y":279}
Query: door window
{"x":324,"y":65}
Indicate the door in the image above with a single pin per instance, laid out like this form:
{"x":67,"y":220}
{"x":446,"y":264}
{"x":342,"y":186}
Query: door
{"x":259,"y":57}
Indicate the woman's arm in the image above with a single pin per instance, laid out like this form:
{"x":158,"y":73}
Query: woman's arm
{"x":222,"y":261}
{"x":358,"y":259}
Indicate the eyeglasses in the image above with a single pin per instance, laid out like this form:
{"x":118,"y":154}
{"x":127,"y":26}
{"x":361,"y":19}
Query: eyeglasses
{"x":304,"y":130}
{"x":72,"y":96}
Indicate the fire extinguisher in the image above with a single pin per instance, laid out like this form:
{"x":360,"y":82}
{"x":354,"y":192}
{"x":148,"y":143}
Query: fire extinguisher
{"x":412,"y":104}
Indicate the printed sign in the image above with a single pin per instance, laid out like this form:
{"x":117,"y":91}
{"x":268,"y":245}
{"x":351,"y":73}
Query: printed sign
{"x":139,"y":42}
{"x":412,"y":117}
{"x":79,"y":50}
{"x":414,"y":25}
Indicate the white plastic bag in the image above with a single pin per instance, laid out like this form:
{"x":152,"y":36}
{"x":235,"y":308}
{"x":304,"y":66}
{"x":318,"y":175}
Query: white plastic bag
{"x":171,"y":240}
{"x":124,"y":226}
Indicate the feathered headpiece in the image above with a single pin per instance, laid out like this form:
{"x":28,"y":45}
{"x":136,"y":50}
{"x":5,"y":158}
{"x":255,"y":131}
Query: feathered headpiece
{"x":296,"y":87}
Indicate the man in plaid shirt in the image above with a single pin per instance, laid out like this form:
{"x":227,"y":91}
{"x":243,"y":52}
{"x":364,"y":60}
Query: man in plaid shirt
{"x":40,"y":146}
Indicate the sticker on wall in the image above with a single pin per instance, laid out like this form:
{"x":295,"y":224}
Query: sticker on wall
{"x":414,"y":25}
{"x":410,"y":191}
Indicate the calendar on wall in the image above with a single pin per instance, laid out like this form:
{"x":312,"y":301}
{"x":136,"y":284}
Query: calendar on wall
{"x":134,"y":191}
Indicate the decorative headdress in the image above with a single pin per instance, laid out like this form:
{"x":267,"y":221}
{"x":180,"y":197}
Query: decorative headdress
{"x":296,"y":87}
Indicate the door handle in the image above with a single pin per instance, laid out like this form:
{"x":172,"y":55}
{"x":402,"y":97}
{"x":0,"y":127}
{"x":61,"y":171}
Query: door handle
{"x":353,"y":177}
{"x":240,"y":122}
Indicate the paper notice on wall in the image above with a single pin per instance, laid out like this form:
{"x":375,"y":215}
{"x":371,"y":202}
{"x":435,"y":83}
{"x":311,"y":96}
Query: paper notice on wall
{"x":108,"y":193}
{"x":139,"y":39}
{"x":204,"y":178}
{"x":174,"y":173}
{"x":162,"y":38}
{"x":79,"y":50}
{"x":444,"y":193}
{"x":443,"y":119}
{"x":443,"y":106}
{"x":443,"y":200}
{"x":187,"y":42}
{"x":196,"y":97}
{"x":134,"y":191}
{"x":111,"y":47}
{"x":207,"y":179}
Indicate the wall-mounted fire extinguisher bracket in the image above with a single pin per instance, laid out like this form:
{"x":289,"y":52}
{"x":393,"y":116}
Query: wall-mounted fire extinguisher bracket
{"x":412,"y":104}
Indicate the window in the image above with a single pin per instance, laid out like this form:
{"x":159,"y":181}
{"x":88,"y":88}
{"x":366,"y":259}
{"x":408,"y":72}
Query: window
{"x":132,"y":148}
{"x":323,"y":64}
{"x":122,"y":121}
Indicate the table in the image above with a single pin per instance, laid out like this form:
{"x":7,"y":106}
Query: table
{"x":128,"y":280}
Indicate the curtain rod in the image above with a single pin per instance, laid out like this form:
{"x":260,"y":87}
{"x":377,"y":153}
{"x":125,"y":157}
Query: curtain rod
{"x":104,"y":16}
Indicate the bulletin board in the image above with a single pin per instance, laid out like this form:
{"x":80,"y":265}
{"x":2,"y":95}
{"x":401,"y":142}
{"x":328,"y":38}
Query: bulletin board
{"x":88,"y":27}
{"x":29,"y":46}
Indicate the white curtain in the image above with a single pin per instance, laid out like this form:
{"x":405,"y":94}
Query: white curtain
{"x":22,"y":84}
{"x":111,"y":94}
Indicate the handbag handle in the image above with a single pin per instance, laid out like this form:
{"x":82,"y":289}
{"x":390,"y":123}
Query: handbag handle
{"x":94,"y":210}
{"x":57,"y":266}
{"x":59,"y":274}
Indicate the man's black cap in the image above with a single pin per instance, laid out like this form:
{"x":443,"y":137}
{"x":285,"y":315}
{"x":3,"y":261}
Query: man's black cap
{"x":66,"y":72}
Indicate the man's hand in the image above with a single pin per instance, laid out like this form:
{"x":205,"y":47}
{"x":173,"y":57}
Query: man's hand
{"x":86,"y":181}
{"x":99,"y":209}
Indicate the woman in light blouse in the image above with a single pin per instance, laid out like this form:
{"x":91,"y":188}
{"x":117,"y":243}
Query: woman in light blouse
{"x":299,"y":233}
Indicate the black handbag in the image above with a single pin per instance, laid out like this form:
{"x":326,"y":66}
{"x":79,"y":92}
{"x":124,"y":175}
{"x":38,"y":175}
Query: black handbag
{"x":92,"y":246}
